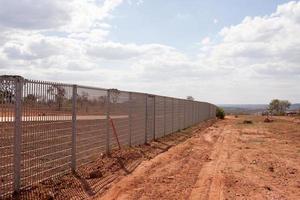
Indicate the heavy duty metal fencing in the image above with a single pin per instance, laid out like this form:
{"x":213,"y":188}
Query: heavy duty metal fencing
{"x":47,"y":129}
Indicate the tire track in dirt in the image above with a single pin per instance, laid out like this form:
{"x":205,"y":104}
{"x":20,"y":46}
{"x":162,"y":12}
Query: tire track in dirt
{"x":171,"y":175}
{"x":210,"y":182}
{"x":229,"y":160}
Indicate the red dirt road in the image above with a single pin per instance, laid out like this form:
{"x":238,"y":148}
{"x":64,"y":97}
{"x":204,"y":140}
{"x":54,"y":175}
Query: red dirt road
{"x":229,"y":160}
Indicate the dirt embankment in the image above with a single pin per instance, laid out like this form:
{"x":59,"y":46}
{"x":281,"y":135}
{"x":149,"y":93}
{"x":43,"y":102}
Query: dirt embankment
{"x":229,"y":160}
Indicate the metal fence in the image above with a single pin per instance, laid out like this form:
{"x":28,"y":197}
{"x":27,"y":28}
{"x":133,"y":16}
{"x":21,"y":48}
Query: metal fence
{"x":47,"y":129}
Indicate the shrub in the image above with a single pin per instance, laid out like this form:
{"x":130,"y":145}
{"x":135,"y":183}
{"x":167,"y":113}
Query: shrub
{"x":247,"y":122}
{"x":220,"y":113}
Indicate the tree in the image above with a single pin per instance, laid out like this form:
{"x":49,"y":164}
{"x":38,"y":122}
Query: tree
{"x":220,"y":113}
{"x":114,"y":95}
{"x":102,"y":100}
{"x":190,"y":98}
{"x":278,"y":107}
{"x":30,"y":99}
{"x":59,"y":94}
{"x":83,"y":99}
{"x":7,"y":91}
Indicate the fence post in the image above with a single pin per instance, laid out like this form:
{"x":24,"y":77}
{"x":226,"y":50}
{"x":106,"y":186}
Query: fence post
{"x":74,"y":128}
{"x":165,"y":117}
{"x":154,"y":118}
{"x":178,"y":114}
{"x":172,"y":115}
{"x":198,"y":114}
{"x":179,"y":105}
{"x":184,"y":114}
{"x":193,"y":113}
{"x":107,"y":122}
{"x":130,"y":117}
{"x":18,"y":82}
{"x":146,"y":117}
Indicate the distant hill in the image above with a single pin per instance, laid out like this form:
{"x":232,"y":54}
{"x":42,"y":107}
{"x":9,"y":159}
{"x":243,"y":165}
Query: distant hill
{"x":250,"y":108}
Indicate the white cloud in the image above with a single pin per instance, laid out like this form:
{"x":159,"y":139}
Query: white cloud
{"x":216,"y":21}
{"x":252,"y":58}
{"x":205,"y":41}
{"x":114,"y":51}
{"x":34,"y":14}
{"x":67,"y":15}
{"x":264,"y":41}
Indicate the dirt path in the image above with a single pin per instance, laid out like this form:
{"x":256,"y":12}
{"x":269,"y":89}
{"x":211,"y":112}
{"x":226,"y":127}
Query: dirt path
{"x":229,"y":160}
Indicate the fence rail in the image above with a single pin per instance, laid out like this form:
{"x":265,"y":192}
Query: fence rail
{"x":47,"y":128}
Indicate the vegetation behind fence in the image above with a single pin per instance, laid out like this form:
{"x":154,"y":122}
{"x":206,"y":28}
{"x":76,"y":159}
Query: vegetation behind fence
{"x":47,"y":128}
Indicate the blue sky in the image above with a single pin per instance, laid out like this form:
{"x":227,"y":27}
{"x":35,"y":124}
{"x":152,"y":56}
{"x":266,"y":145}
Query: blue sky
{"x":222,"y":52}
{"x":182,"y":24}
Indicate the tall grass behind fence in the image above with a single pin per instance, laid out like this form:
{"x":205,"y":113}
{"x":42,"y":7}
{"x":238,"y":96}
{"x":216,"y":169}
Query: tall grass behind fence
{"x":48,"y":129}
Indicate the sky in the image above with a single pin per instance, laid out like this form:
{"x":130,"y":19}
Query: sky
{"x":223,"y":52}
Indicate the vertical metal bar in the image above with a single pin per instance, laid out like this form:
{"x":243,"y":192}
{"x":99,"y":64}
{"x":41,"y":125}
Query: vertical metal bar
{"x":74,"y":127}
{"x":165,"y":116}
{"x":194,"y":112}
{"x":184,"y":120}
{"x":18,"y":81}
{"x":191,"y":113}
{"x":198,"y":112}
{"x":107,"y":122}
{"x":182,"y":114}
{"x":154,"y":117}
{"x":179,"y":115}
{"x":130,"y":118}
{"x":215,"y":112}
{"x":172,"y":115}
{"x":146,"y":117}
{"x":188,"y":113}
{"x":199,"y":118}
